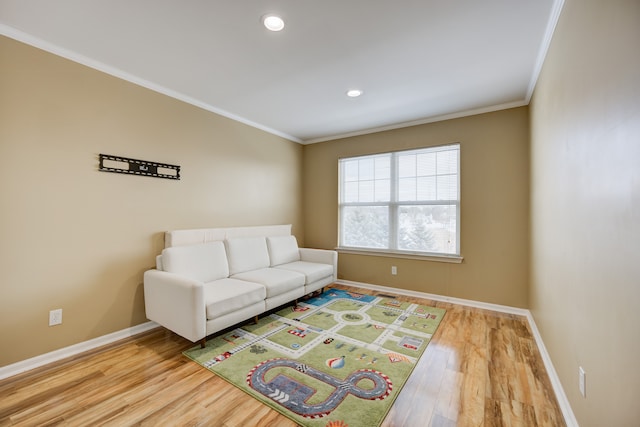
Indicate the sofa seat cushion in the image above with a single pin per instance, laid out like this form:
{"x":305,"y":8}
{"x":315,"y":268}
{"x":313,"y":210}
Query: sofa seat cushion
{"x":227,"y":295}
{"x":313,"y":271}
{"x":276,"y":281}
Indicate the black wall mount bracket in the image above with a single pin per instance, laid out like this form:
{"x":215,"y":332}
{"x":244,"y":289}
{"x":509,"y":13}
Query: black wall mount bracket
{"x":118,"y":164}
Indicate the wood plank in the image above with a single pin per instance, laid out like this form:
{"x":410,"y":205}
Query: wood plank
{"x":481,"y":368}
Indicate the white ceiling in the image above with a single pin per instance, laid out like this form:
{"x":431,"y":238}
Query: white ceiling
{"x":416,"y":60}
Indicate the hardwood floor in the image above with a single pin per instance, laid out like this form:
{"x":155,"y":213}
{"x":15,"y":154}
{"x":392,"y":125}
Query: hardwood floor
{"x":481,"y":368}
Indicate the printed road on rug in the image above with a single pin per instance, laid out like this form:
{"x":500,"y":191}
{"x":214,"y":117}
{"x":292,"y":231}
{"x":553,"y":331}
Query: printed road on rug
{"x":338,"y":359}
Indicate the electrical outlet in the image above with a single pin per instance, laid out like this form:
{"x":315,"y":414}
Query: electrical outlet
{"x":394,"y":270}
{"x":55,"y":317}
{"x":582,"y":381}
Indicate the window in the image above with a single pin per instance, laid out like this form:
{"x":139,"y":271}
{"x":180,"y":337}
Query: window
{"x":405,"y":202}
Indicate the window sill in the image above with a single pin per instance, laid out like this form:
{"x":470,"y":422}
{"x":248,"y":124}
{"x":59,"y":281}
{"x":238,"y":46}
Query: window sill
{"x":453,"y":259}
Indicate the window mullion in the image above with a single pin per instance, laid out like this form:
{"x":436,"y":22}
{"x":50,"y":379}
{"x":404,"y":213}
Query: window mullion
{"x":341,"y":197}
{"x":393,"y":204}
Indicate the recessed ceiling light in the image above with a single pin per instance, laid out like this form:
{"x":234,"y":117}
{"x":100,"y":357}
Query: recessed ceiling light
{"x":273,"y":22}
{"x":354,"y":93}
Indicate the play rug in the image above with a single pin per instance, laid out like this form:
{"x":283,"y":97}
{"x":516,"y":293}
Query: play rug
{"x":338,"y":359}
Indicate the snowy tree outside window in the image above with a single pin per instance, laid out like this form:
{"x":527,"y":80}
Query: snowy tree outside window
{"x":403,"y":201}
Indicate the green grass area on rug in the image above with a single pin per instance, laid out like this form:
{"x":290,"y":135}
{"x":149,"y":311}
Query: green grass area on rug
{"x":337,"y":359}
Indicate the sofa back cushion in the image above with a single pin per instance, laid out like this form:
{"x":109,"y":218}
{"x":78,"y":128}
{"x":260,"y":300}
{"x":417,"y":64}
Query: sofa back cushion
{"x":283,"y":250}
{"x":206,"y":262}
{"x":246,"y":254}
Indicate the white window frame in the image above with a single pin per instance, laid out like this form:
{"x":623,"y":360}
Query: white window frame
{"x":394,"y":206}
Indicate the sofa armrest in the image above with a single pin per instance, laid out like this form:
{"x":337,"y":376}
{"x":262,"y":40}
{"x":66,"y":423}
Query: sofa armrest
{"x":322,"y":256}
{"x":175,"y":302}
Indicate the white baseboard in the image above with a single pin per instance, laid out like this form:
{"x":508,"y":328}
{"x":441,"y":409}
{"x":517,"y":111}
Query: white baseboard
{"x":63,"y":353}
{"x":565,"y":407}
{"x":442,"y":298}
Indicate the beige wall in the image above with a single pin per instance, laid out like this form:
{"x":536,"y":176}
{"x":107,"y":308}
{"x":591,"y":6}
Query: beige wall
{"x":79,"y":239}
{"x":585,"y":179}
{"x":494,"y":207}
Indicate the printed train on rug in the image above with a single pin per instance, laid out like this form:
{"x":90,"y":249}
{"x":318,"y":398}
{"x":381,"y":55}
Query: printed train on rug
{"x":338,"y":359}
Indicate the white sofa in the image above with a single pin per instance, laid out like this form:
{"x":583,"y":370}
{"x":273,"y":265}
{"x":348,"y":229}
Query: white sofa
{"x":206,"y":280}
